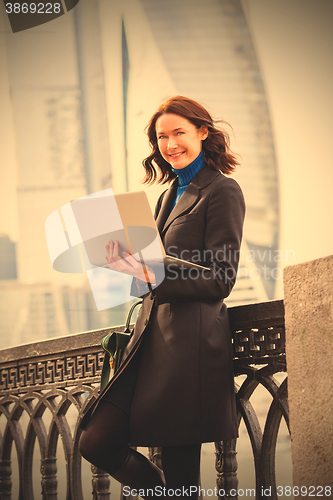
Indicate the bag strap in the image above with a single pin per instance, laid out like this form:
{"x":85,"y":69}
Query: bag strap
{"x":110,"y":345}
{"x":129,"y":316}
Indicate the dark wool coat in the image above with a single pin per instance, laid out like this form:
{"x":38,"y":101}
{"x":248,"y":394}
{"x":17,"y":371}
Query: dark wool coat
{"x":185,"y":388}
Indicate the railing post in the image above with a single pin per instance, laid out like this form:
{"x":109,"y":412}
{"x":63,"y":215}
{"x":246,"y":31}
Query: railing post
{"x":155,"y":456}
{"x":101,"y":484}
{"x":48,"y":470}
{"x":226,"y":467}
{"x":5,"y":479}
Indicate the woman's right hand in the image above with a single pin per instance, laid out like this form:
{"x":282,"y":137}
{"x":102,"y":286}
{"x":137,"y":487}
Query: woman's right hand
{"x":127,"y":264}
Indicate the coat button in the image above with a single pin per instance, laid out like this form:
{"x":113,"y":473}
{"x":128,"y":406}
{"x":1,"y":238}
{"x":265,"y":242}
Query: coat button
{"x":146,"y":322}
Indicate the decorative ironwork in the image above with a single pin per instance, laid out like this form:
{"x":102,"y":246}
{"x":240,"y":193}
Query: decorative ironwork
{"x":46,"y":386}
{"x":47,"y":372}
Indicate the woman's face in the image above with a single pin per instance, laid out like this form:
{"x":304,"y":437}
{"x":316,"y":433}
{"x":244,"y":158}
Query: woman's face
{"x":179,"y":141}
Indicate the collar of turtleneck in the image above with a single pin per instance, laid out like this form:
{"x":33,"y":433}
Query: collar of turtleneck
{"x":186,"y":174}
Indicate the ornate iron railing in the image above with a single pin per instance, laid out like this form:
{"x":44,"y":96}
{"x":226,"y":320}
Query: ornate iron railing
{"x":46,"y":386}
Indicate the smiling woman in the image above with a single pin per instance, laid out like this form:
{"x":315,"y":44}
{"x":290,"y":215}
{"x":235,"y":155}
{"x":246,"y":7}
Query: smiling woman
{"x":175,"y":386}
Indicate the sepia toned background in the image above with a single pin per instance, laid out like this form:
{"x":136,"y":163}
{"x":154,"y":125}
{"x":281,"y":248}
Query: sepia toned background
{"x":77,"y":93}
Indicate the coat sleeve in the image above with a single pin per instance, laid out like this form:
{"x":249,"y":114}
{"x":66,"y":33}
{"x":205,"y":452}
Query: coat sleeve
{"x":223,"y":235}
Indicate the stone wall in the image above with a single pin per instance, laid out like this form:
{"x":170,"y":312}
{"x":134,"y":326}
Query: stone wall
{"x":308,"y":290}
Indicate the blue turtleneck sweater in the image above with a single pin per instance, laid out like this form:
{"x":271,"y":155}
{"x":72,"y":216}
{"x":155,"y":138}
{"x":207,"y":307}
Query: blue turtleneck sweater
{"x":186,"y":174}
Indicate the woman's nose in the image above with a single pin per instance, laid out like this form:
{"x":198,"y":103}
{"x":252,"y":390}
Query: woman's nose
{"x":172,"y":143}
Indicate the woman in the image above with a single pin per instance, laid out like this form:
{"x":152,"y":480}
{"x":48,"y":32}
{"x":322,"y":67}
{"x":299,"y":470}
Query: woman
{"x":175,"y":386}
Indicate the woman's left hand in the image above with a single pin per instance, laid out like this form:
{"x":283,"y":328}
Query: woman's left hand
{"x":127,"y":264}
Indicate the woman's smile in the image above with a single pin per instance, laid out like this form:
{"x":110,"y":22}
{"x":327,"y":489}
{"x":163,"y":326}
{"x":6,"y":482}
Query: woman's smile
{"x":176,"y":155}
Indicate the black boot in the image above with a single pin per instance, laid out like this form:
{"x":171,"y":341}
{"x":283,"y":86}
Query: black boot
{"x":139,"y":473}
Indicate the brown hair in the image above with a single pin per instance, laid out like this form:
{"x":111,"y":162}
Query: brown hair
{"x":215,"y":147}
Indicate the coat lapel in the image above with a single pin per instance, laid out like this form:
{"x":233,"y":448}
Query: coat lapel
{"x":166,"y":205}
{"x":189,"y":198}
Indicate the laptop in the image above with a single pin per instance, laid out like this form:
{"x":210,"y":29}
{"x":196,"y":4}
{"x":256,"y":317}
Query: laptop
{"x":126,"y":218}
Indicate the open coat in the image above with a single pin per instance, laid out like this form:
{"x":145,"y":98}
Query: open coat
{"x":185,"y":388}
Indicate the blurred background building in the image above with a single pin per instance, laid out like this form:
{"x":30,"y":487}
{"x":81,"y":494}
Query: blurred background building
{"x":77,"y":94}
{"x":75,"y":97}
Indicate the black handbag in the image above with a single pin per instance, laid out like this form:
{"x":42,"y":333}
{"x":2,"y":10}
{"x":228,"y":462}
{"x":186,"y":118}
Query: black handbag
{"x":114,"y":345}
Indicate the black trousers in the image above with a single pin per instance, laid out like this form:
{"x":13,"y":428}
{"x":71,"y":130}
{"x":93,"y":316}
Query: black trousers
{"x":104,"y":443}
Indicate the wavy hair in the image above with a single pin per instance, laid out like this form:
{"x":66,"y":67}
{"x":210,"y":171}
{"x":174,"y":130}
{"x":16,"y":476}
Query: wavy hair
{"x":215,"y":147}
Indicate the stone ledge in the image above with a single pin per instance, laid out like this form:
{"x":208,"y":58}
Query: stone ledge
{"x":308,"y":290}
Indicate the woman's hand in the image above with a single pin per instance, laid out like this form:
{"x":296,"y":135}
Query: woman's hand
{"x":127,"y":264}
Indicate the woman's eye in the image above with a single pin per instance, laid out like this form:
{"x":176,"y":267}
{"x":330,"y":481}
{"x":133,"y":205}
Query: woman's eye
{"x":161,"y":137}
{"x":179,"y":133}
